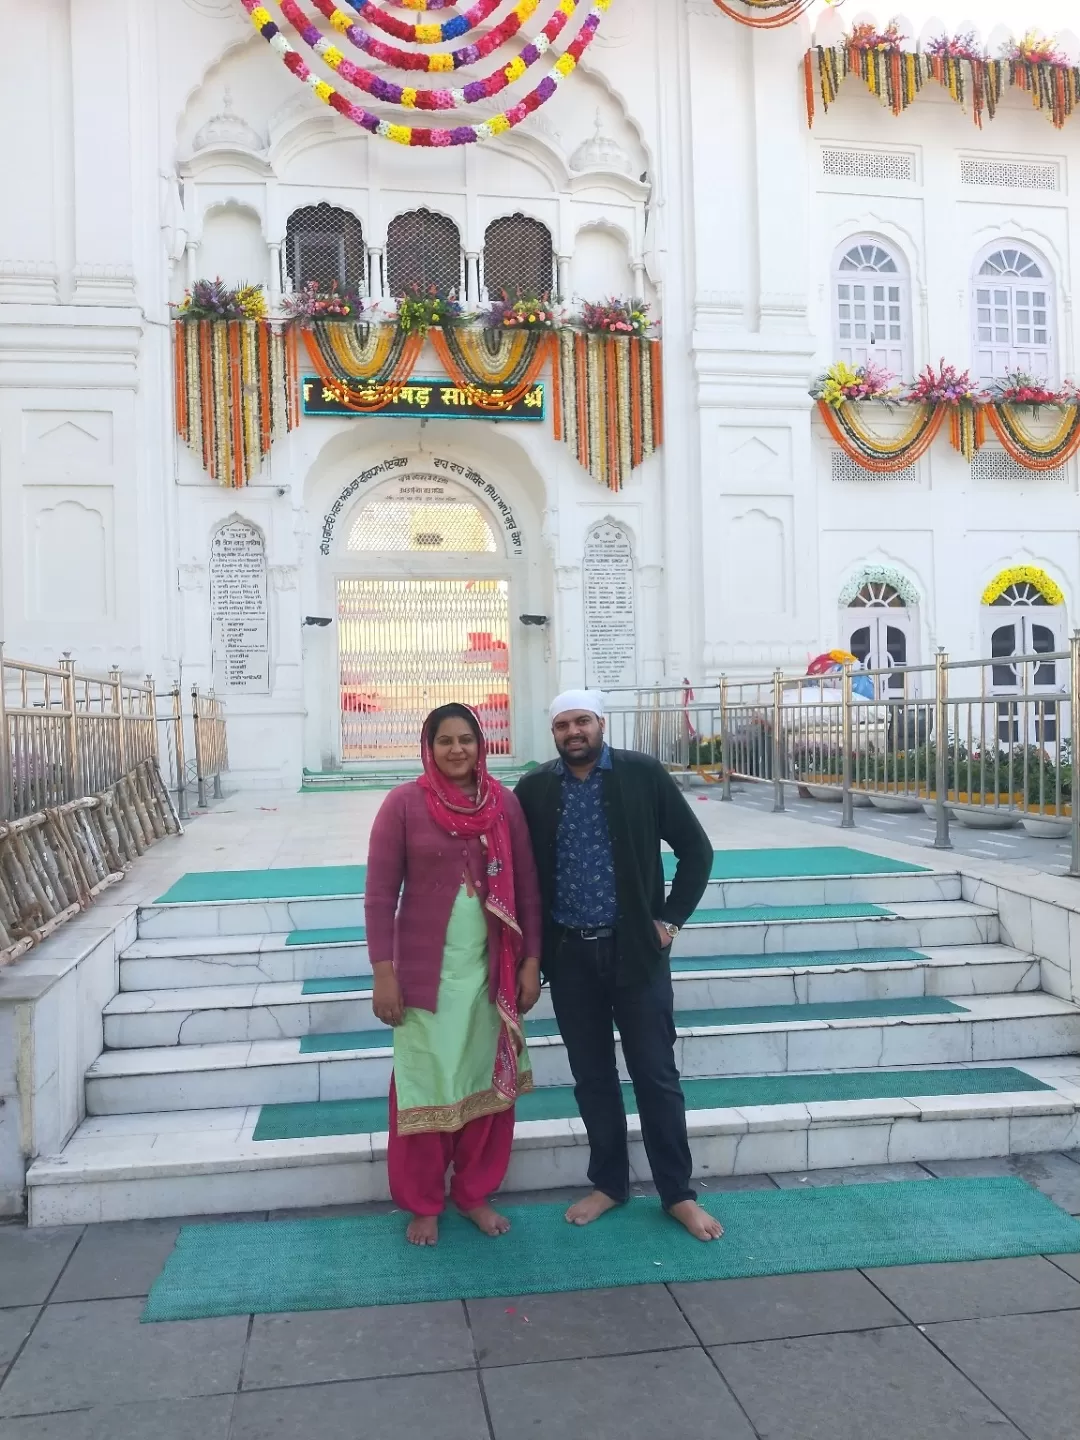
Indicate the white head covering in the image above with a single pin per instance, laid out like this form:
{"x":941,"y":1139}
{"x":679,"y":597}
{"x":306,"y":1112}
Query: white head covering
{"x":590,"y":700}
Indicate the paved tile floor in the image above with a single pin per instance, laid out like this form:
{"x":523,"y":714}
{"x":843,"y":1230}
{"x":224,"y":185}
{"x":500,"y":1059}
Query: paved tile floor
{"x":982,"y":1351}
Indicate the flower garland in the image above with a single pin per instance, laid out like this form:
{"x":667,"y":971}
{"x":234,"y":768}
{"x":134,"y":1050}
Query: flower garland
{"x":1021,"y":575}
{"x":880,"y":575}
{"x":766,"y":14}
{"x":417,"y":135}
{"x":609,"y":402}
{"x":442,"y":99}
{"x":936,"y":395}
{"x":896,"y":76}
{"x":235,"y":391}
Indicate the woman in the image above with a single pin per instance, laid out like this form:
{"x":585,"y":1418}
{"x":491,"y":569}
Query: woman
{"x":456,"y":965}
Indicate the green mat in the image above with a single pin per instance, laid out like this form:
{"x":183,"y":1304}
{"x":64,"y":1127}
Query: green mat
{"x":778,"y":959}
{"x":754,"y":914}
{"x":339,"y":935}
{"x":813,"y":862}
{"x":556,"y":1102}
{"x":201,"y":886}
{"x":295,"y":1265}
{"x":689,"y":964}
{"x":691,"y":1020}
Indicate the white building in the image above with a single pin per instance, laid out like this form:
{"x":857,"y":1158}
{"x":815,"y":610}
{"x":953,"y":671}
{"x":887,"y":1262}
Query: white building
{"x":159,"y":143}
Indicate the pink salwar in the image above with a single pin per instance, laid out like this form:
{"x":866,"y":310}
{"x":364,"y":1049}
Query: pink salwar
{"x":417,"y":1164}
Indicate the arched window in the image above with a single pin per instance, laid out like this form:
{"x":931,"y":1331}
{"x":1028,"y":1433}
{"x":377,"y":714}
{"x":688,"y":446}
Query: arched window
{"x":871,"y":306}
{"x":433,"y":526}
{"x":422,"y":249}
{"x":325,"y":244}
{"x":519,"y":259}
{"x":1013,"y":316}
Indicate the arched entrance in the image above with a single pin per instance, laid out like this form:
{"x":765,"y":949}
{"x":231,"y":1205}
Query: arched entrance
{"x":879,"y":620}
{"x":1024,"y":614}
{"x":424,"y":578}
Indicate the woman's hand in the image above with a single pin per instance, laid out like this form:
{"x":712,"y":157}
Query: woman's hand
{"x":386,"y":1000}
{"x":528,"y":985}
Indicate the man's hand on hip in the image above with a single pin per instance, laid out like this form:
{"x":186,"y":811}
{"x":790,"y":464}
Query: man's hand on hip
{"x":665,"y":935}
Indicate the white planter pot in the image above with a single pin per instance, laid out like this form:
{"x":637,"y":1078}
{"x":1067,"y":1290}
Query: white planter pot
{"x":986,"y":820}
{"x":896,"y":804}
{"x":861,"y":802}
{"x":1045,"y":828}
{"x":826,"y":792}
{"x":930,"y":809}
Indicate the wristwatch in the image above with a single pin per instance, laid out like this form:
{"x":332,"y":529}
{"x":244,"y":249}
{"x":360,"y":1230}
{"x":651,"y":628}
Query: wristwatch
{"x":672,"y":930}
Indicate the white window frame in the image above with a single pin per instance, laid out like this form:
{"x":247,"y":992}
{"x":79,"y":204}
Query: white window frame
{"x":1004,"y":314}
{"x":893,"y":352}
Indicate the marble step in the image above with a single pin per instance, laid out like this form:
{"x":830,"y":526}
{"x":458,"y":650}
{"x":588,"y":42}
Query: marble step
{"x":172,"y":964}
{"x":256,"y":917}
{"x":206,"y":1162}
{"x":214,"y":1014}
{"x":349,"y":1066}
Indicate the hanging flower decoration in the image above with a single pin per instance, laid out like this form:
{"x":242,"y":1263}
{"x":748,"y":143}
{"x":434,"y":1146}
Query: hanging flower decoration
{"x":767,"y":14}
{"x":897,"y":76}
{"x":947,"y":393}
{"x":409,"y":97}
{"x":525,"y":313}
{"x":615,"y":317}
{"x":1024,"y":575}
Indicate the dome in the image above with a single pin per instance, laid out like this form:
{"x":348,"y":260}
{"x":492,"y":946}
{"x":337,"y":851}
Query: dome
{"x":227,"y":129}
{"x":601,"y":152}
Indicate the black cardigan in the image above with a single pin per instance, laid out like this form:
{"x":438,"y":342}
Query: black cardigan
{"x":643,"y":806}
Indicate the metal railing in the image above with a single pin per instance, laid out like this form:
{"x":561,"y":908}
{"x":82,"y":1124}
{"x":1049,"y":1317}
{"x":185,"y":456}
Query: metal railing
{"x":65,"y":735}
{"x":991,"y":741}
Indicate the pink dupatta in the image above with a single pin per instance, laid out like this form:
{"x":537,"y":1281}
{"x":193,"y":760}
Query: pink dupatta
{"x":486,"y":820}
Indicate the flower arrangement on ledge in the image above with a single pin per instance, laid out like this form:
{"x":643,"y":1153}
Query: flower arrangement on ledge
{"x":526,"y":312}
{"x":214,"y":300}
{"x":615,"y":317}
{"x":421,"y":310}
{"x":311,"y":303}
{"x":896,"y":75}
{"x":937,"y":395}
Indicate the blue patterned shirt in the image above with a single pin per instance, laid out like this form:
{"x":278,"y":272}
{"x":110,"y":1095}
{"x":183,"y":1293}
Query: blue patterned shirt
{"x":584,"y":868}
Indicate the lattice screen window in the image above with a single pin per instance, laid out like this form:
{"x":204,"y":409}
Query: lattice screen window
{"x":850,"y":164}
{"x":518,"y":258}
{"x":325,"y":244}
{"x":995,"y":465}
{"x":1011,"y":174}
{"x":434,"y":526}
{"x":845,"y":471}
{"x":422,"y":249}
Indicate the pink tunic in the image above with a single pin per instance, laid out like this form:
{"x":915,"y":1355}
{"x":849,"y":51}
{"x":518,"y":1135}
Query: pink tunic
{"x":413,"y":860}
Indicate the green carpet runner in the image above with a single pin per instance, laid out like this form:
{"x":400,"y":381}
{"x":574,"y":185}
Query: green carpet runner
{"x":369,"y":1116}
{"x":333,"y":1264}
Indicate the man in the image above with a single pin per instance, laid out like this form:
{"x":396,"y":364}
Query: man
{"x":597,"y":817}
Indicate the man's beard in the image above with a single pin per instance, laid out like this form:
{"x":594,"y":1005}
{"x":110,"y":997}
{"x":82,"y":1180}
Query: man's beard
{"x":580,"y":755}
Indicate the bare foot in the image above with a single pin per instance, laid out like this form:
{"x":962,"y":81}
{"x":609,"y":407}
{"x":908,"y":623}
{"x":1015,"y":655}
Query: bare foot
{"x":584,"y":1212}
{"x":699,"y":1222}
{"x":487,"y":1220}
{"x":423,"y":1230}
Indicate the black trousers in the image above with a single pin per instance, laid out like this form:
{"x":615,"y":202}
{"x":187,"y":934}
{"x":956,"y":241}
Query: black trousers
{"x":587,"y":1001}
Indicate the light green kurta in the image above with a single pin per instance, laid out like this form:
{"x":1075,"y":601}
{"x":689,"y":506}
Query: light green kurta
{"x":444,"y":1062}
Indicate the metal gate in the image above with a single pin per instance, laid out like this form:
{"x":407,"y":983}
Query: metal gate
{"x":406,"y":646}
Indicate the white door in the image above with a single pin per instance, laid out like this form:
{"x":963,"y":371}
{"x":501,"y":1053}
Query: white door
{"x":883,"y":639}
{"x":1020,"y":631}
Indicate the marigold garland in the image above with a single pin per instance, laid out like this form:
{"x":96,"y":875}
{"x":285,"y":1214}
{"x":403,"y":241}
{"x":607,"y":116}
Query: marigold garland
{"x":234,"y":393}
{"x":610,"y":404}
{"x":1025,"y":448}
{"x":1024,"y":575}
{"x":418,"y":135}
{"x":493,"y":382}
{"x":897,"y":76}
{"x":878,"y":453}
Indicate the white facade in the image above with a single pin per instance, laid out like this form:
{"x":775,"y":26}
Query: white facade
{"x":164,"y":142}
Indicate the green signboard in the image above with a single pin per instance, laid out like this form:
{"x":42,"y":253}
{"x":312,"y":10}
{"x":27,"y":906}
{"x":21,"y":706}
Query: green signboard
{"x":431,"y":399}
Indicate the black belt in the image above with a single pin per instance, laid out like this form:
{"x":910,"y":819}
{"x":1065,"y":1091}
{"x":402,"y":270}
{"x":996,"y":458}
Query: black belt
{"x":594,"y":932}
